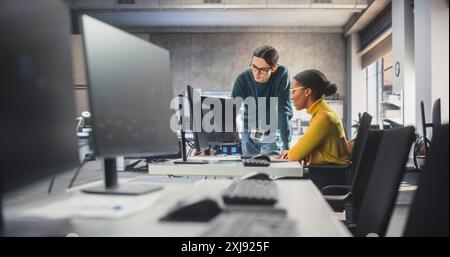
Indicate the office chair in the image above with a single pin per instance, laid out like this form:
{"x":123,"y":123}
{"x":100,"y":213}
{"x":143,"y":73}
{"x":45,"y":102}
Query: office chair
{"x":428,"y":215}
{"x":436,"y":115}
{"x":349,"y":198}
{"x":384,"y":182}
{"x":423,"y":143}
{"x":324,"y":175}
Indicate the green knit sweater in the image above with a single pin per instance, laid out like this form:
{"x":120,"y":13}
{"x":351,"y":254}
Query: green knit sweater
{"x":277,"y":86}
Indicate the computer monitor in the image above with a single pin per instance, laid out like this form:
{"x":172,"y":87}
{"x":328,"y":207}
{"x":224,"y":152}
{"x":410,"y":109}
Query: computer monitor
{"x":130,"y":90}
{"x":38,"y":131}
{"x":228,"y":132}
{"x":200,"y":137}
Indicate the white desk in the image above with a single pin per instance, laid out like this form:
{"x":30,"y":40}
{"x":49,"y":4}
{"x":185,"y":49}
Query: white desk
{"x":224,"y":167}
{"x":300,"y":198}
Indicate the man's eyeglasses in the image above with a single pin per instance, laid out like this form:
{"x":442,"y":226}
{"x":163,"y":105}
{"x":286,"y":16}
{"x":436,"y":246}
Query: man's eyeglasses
{"x":260,"y":70}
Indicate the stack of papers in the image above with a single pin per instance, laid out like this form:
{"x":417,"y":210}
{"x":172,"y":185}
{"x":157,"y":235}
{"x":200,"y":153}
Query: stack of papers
{"x":83,"y":205}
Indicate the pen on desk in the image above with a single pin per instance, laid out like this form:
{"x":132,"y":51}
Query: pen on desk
{"x":117,"y":208}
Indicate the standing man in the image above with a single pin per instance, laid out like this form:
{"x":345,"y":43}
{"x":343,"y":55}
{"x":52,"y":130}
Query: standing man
{"x":264,"y":79}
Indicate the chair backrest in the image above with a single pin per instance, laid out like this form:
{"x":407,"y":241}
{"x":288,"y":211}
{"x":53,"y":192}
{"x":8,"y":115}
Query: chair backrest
{"x":360,"y":141}
{"x":424,"y":125}
{"x":436,"y":115}
{"x":362,"y":175}
{"x":436,"y":119}
{"x":384,"y":181}
{"x":429,"y":215}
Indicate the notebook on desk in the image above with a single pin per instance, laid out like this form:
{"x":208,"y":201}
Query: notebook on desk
{"x":275,"y":160}
{"x":218,"y":158}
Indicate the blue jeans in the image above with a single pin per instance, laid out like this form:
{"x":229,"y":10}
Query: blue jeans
{"x":254,"y":147}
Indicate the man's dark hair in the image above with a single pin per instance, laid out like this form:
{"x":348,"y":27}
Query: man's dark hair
{"x":268,"y":53}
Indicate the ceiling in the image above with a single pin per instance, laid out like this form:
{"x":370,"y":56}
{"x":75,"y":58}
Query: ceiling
{"x":301,"y":13}
{"x":302,"y":18}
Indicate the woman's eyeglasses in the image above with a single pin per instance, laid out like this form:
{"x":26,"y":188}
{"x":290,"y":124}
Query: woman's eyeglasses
{"x":295,"y":89}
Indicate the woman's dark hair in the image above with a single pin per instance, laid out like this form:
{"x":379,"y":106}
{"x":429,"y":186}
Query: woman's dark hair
{"x":317,"y":81}
{"x":268,"y":53}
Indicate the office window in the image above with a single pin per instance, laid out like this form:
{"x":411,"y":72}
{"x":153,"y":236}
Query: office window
{"x":385,"y":105}
{"x":373,"y":74}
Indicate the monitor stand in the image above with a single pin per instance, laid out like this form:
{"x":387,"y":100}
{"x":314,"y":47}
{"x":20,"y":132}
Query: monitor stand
{"x":184,"y":155}
{"x":112,"y":186}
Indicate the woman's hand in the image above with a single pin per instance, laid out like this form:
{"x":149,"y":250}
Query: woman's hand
{"x":283,"y":154}
{"x":305,"y":162}
{"x":350,"y":145}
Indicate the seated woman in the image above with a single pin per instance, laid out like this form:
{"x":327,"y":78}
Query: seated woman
{"x":324,"y":142}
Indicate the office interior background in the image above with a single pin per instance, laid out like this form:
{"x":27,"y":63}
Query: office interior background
{"x":357,"y":46}
{"x":386,"y":57}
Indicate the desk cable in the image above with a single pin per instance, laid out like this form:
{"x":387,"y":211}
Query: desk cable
{"x":88,"y":157}
{"x":75,"y":175}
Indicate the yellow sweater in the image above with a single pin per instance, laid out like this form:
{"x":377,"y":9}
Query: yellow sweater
{"x":324,"y":142}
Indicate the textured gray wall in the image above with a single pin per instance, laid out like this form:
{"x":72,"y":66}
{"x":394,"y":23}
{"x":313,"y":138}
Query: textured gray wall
{"x":211,"y":61}
{"x":210,"y":58}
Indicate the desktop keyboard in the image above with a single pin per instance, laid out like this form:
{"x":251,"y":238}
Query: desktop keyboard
{"x":255,"y":163}
{"x":251,"y":192}
{"x":251,"y":224}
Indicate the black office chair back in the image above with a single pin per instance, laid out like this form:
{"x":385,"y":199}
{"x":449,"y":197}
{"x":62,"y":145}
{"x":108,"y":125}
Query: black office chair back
{"x":424,"y":125}
{"x":360,"y":144}
{"x":436,"y":115}
{"x":429,"y":215}
{"x":423,"y":143}
{"x":384,"y":181}
{"x":436,"y":119}
{"x":362,"y":175}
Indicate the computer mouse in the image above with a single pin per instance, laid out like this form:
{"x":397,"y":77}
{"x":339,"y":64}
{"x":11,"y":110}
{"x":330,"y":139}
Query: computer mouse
{"x":257,"y":176}
{"x":199,"y":211}
{"x":261,"y":157}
